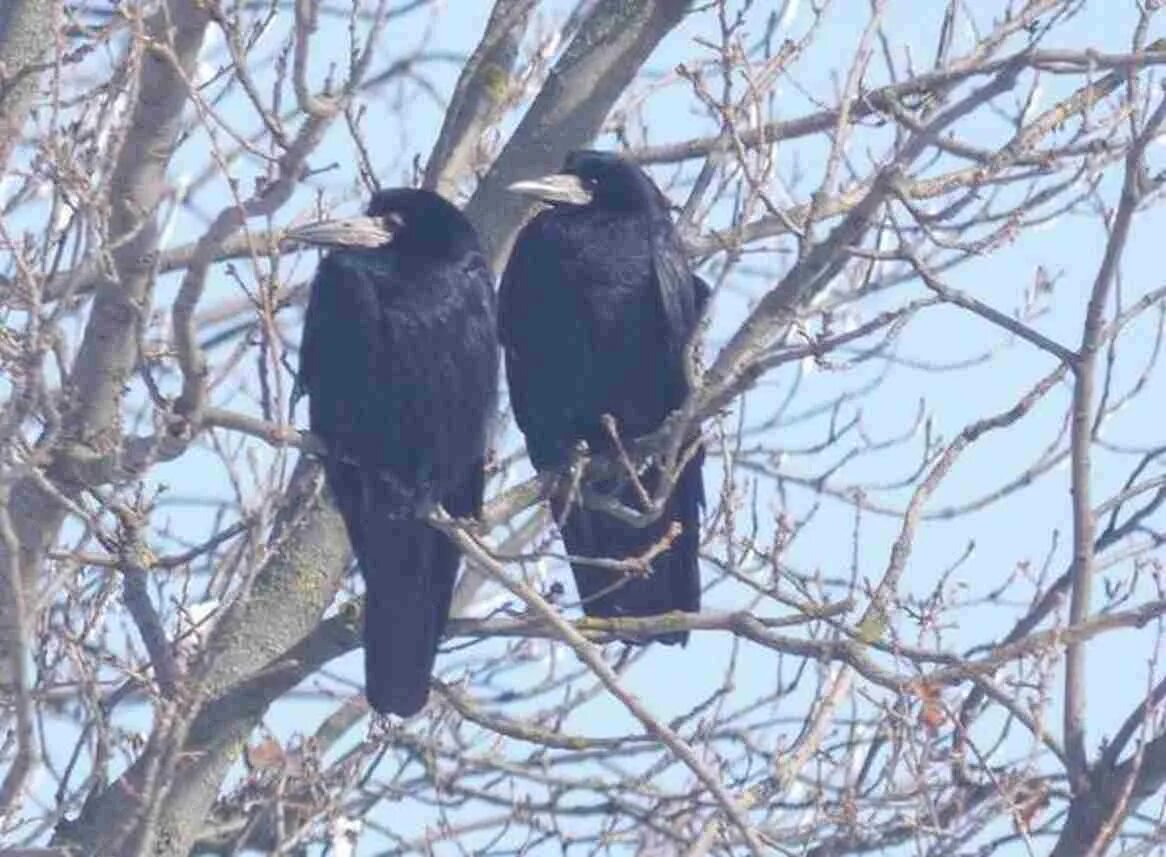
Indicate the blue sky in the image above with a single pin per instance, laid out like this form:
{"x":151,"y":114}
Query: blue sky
{"x":1019,"y":530}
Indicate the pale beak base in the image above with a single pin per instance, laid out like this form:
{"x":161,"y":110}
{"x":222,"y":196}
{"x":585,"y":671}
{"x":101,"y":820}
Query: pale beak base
{"x":559,"y":188}
{"x":366,"y":232}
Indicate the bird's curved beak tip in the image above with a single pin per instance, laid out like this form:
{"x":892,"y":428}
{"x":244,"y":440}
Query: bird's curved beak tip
{"x":562,"y":188}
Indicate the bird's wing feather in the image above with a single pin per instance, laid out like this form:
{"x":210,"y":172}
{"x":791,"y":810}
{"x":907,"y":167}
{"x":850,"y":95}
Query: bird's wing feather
{"x":702,"y":293}
{"x":309,"y":350}
{"x":335,"y":369}
{"x":549,"y":354}
{"x":675,"y":283}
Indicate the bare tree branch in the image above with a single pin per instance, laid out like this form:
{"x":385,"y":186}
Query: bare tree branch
{"x":596,"y":68}
{"x":893,"y":213}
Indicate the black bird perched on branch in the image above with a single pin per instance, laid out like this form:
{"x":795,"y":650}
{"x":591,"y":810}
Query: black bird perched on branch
{"x":400,"y":360}
{"x":596,"y":310}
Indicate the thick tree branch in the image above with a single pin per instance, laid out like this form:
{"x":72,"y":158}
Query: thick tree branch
{"x":1084,"y":521}
{"x":603,"y":58}
{"x":283,"y":605}
{"x":108,"y":352}
{"x":478,"y":96}
{"x":26,"y":37}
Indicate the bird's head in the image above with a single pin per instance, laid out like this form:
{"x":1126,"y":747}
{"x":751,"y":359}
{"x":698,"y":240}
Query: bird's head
{"x":600,"y":179}
{"x":402,"y":218}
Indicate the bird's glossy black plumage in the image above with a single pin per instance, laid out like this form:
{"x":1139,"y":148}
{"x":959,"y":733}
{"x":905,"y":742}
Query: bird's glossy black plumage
{"x":596,"y":309}
{"x":400,"y":360}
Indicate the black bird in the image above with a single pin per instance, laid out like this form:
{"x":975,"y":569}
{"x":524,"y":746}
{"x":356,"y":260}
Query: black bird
{"x":596,"y":309}
{"x":400,"y":360}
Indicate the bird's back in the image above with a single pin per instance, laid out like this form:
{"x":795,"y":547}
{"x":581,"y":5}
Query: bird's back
{"x":582,"y":320}
{"x":400,"y":363}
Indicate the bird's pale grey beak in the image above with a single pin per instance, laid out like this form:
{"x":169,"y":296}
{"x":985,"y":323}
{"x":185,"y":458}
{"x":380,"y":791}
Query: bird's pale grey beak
{"x":344,"y":232}
{"x":562,"y":188}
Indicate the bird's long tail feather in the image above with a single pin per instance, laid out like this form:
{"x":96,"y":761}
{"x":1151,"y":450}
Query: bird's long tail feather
{"x":674,"y":580}
{"x":409,"y":570}
{"x":409,"y":582}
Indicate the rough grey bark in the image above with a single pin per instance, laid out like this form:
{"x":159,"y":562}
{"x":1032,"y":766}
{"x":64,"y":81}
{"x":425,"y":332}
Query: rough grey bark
{"x":1097,"y":814}
{"x":109,"y":350}
{"x":477,"y":96}
{"x":26,"y":37}
{"x":284,"y":603}
{"x":596,"y":68}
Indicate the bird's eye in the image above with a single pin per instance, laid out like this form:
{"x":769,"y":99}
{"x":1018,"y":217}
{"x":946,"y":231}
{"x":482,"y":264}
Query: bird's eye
{"x":394,"y":220}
